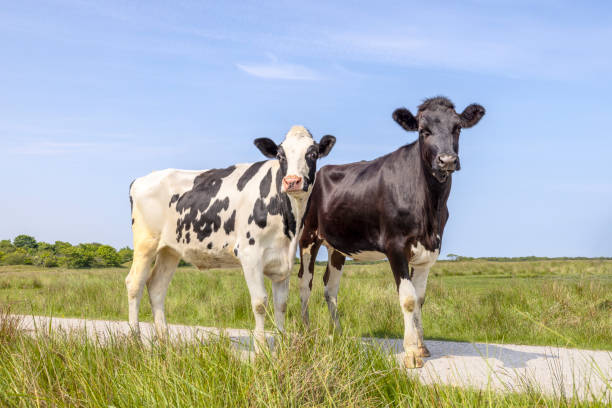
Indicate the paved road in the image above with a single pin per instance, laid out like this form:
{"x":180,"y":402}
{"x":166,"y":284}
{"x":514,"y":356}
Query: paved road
{"x":552,"y":370}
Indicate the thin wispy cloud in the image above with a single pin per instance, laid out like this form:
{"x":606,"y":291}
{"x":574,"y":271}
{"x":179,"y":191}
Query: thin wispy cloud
{"x":274,"y":69}
{"x":44,"y":148}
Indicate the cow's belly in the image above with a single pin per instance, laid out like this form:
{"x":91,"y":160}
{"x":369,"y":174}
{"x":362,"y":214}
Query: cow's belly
{"x":215,"y":251}
{"x":207,"y":259}
{"x":368,"y":256}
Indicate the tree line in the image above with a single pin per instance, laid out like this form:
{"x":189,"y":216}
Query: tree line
{"x":455,"y":257}
{"x":25,"y":250}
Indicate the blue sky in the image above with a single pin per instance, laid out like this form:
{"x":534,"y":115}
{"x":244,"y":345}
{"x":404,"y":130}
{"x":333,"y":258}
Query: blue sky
{"x":95,"y":94}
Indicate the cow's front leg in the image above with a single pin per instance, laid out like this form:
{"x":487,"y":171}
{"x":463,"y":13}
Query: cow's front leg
{"x":407,"y":300}
{"x":253,"y":273}
{"x":419,"y":280}
{"x":280,"y":293}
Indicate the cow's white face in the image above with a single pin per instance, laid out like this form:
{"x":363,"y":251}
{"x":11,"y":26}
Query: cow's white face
{"x":297,"y":156}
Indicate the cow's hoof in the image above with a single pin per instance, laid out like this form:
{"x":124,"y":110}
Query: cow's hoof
{"x":411,"y":360}
{"x":423,"y":352}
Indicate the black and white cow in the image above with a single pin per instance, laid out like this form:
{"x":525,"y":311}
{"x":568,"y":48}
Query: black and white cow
{"x":247,"y":214}
{"x":391,"y":207}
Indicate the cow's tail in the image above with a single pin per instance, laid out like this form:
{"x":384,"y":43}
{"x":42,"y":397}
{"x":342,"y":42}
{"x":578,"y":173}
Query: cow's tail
{"x":132,"y":202}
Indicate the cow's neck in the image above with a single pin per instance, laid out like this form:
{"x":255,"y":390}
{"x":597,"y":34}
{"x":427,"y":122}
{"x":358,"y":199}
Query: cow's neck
{"x":291,"y":210}
{"x":436,"y":195}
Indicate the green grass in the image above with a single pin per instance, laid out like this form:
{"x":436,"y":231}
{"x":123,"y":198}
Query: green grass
{"x":566,"y":303}
{"x":311,"y":369}
{"x":543,"y":302}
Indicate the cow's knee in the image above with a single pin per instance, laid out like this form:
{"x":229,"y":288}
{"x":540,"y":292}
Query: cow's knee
{"x":259,"y":305}
{"x":421,"y":301}
{"x":407,"y":296}
{"x":133,"y":287}
{"x":408,"y":304}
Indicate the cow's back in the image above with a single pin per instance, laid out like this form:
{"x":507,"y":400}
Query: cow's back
{"x":207,"y":215}
{"x":150,"y":196}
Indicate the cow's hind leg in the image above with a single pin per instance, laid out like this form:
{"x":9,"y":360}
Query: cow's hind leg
{"x":145,"y":247}
{"x":157,"y":285}
{"x":419,"y":280}
{"x":308,"y":254}
{"x":331,"y":279}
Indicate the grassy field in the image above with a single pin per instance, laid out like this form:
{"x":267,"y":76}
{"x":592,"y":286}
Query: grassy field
{"x":312,"y":369}
{"x":566,"y":303}
{"x":544,"y":302}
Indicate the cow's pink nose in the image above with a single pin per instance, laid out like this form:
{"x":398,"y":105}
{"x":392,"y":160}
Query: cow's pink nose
{"x":292,"y":183}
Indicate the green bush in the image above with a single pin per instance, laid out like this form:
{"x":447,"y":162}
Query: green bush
{"x":126,"y":254}
{"x":18,"y":257}
{"x":77,"y":257}
{"x":107,"y":256}
{"x":45,"y":246}
{"x":24,"y":241}
{"x":60,"y":247}
{"x":46,"y":258}
{"x":6,"y":246}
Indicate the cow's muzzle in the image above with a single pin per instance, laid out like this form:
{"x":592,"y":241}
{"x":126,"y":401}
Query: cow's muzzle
{"x":444,"y":166}
{"x":292,"y":184}
{"x":448,"y":162}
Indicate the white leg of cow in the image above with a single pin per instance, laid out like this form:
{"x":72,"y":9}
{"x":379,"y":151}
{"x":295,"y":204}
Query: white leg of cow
{"x":280,"y":293}
{"x":259,"y":300}
{"x":332,"y":276}
{"x":419,"y":281}
{"x":144,"y":251}
{"x":157,"y":285}
{"x":408,"y":300}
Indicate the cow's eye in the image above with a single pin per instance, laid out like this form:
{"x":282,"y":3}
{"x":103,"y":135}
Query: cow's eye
{"x":280,"y":157}
{"x":312,"y":156}
{"x":425,"y":132}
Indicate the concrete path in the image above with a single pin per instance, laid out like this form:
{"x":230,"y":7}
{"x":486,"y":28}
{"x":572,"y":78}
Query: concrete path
{"x":554,"y":371}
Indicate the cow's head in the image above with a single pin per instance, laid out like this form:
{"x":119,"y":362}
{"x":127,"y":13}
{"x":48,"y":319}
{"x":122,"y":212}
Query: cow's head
{"x":297,"y":156}
{"x":439,"y":126}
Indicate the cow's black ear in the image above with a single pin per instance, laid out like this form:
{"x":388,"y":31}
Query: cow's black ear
{"x":405,"y":119}
{"x":471,"y":115}
{"x":326,"y":144}
{"x":267,"y":147}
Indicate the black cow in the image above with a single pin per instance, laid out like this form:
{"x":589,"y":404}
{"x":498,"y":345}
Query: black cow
{"x":392,"y":207}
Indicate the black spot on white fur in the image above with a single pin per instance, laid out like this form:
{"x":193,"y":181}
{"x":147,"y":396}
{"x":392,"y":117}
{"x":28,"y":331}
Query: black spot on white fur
{"x":199,"y":200}
{"x":228,"y":225}
{"x":248,"y":174}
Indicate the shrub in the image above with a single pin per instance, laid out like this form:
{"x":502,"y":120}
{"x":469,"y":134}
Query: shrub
{"x":46,"y":259}
{"x":60,"y":247}
{"x":6,"y":246}
{"x":126,"y":254}
{"x":77,"y":257}
{"x":107,"y":256}
{"x":45,"y":246}
{"x":24,"y":241}
{"x":18,"y":257}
